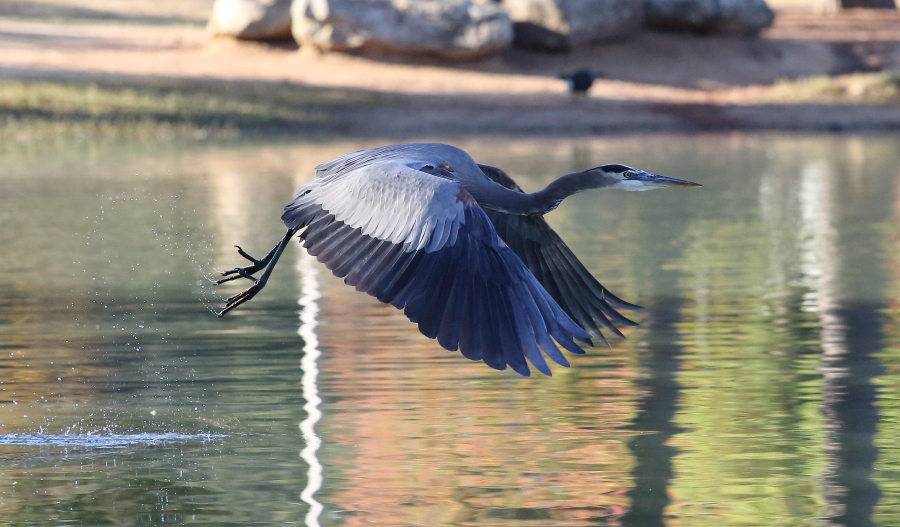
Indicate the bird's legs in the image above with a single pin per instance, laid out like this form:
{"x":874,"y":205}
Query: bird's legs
{"x":268,"y":263}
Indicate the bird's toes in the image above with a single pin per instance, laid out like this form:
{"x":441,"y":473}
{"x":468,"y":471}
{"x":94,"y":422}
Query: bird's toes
{"x":245,"y":273}
{"x":238,"y":272}
{"x":234,"y":271}
{"x":227,"y":278}
{"x":243,"y":296}
{"x":247,"y":256}
{"x":238,"y":299}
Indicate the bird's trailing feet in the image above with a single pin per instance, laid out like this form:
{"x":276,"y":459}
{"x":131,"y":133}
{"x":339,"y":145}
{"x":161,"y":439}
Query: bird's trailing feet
{"x":267,"y":262}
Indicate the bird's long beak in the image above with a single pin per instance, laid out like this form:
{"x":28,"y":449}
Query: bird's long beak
{"x":664,"y":181}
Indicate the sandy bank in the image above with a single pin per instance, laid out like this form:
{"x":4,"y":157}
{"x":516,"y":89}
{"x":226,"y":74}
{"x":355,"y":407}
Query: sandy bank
{"x":658,"y":81}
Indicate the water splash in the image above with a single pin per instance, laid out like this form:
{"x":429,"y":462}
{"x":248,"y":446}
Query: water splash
{"x":104,"y":440}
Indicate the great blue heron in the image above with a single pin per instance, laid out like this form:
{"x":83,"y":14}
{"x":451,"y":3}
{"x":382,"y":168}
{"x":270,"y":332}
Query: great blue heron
{"x":459,"y":247}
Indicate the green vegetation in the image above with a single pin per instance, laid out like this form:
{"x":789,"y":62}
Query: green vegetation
{"x":170,"y":109}
{"x":866,"y":88}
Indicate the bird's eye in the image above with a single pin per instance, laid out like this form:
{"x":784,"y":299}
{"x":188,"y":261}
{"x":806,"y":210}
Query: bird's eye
{"x":428,"y":167}
{"x":628,"y":174}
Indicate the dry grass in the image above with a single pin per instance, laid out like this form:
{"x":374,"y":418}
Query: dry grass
{"x":44,"y":110}
{"x":859,"y":88}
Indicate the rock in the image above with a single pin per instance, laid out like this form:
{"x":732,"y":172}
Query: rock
{"x":251,"y":19}
{"x":738,"y":17}
{"x":559,"y":25}
{"x":455,"y":29}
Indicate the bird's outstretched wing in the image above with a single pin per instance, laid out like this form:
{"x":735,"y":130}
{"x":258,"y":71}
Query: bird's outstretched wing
{"x":422,"y":244}
{"x":556,"y":267}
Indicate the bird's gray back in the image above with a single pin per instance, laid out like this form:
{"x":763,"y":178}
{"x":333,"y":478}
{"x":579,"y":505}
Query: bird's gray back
{"x":434,"y":153}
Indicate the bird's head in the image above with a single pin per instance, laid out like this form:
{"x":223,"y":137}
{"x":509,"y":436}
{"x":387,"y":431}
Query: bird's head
{"x":627,"y":178}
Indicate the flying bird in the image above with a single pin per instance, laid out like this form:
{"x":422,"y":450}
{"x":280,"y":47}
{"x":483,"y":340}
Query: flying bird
{"x":459,"y":247}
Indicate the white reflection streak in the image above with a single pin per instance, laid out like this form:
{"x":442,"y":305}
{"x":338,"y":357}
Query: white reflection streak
{"x":819,"y":251}
{"x":309,"y":319}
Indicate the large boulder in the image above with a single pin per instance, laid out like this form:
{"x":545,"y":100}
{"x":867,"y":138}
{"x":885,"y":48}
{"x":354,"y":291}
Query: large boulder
{"x":251,"y":19}
{"x":559,"y":25}
{"x":455,"y":29}
{"x":738,"y":17}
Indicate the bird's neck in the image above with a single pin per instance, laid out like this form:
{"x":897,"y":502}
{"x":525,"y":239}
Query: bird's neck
{"x":550,"y":198}
{"x":500,"y":198}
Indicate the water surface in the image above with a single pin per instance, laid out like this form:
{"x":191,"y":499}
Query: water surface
{"x":761,"y":388}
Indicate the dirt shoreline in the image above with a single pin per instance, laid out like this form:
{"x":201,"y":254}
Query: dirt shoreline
{"x":656,"y":82}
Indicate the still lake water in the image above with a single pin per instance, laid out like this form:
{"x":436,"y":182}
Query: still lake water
{"x":762,"y":387}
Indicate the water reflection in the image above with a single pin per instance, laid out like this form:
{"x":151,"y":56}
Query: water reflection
{"x":658,"y":357}
{"x":849,"y":340}
{"x":849,"y":363}
{"x":309,"y":314}
{"x":762,"y":388}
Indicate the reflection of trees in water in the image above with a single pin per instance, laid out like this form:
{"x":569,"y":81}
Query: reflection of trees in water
{"x":657,"y":402}
{"x":850,"y":334}
{"x":855,"y":341}
{"x":837,"y":264}
{"x":755,"y":319}
{"x":888,"y":466}
{"x":743,"y":394}
{"x":850,"y":339}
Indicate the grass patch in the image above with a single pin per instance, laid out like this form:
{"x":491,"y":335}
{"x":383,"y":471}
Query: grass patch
{"x":865,"y":88}
{"x":158,"y":109}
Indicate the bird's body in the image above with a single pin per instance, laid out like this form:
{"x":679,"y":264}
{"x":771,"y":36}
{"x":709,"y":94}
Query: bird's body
{"x":459,"y":247}
{"x":580,"y":81}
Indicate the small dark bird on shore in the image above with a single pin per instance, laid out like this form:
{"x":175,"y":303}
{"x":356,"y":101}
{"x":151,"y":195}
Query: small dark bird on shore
{"x":580,"y":81}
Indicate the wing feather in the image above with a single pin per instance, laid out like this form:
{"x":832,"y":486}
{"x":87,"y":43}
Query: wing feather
{"x":453,"y":319}
{"x":389,"y":257}
{"x":509,"y":328}
{"x":492,"y":355}
{"x":437,"y":302}
{"x":529,"y":332}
